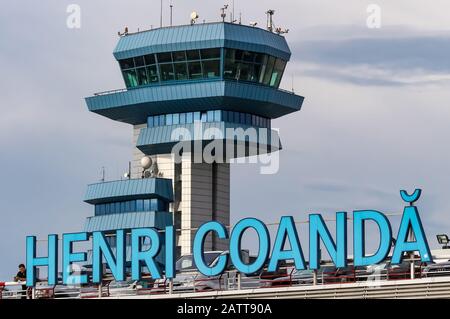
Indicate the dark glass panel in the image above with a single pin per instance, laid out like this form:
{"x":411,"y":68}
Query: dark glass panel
{"x":230,"y":69}
{"x":142,"y":76}
{"x":152,"y":74}
{"x":230,"y":53}
{"x":211,"y":69}
{"x":195,"y":70}
{"x":166,"y":72}
{"x":193,"y":55}
{"x":179,"y":56}
{"x":139,"y":61}
{"x":260,"y":58}
{"x":248,"y":56}
{"x":164,"y":57}
{"x":150,"y":59}
{"x":238,"y":55}
{"x":181,"y":71}
{"x":127,"y":63}
{"x":210,"y":53}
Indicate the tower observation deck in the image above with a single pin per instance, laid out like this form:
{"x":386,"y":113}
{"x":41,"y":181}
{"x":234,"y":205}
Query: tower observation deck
{"x":186,"y":88}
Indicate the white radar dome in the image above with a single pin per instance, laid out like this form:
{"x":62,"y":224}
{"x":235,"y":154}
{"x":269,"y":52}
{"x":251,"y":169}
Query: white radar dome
{"x":146,"y":162}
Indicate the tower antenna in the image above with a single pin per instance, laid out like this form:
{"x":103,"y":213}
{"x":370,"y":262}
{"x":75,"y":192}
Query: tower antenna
{"x":270,"y":14}
{"x":232,"y":14}
{"x":171,"y":13}
{"x":223,"y":13}
{"x":161,"y":16}
{"x":103,"y":174}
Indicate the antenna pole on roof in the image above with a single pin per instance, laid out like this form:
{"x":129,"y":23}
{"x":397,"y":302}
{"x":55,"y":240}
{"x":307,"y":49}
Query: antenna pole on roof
{"x":161,"y":16}
{"x":232,"y":14}
{"x":171,"y":13}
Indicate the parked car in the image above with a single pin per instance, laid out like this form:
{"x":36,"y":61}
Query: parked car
{"x":189,"y":279}
{"x":403,"y":270}
{"x":437,"y":270}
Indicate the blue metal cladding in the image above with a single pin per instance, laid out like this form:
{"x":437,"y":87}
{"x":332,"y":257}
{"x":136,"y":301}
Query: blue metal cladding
{"x":129,"y":189}
{"x":134,"y":106}
{"x":202,"y":36}
{"x":157,"y":220}
{"x":158,"y":140}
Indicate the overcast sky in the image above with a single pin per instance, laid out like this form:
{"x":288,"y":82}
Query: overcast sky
{"x":375,"y":119}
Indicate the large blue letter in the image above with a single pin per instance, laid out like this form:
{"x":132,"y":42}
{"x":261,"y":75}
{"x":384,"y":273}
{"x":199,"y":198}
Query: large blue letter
{"x":199,"y":241}
{"x":287,"y":230}
{"x":170,"y":252}
{"x":411,"y":220}
{"x":318,"y":230}
{"x":51,"y":261}
{"x":102,"y":249}
{"x":359,"y":238}
{"x":235,"y":245}
{"x":139,"y":257}
{"x":69,"y":257}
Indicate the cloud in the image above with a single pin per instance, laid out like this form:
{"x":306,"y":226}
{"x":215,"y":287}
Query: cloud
{"x":380,"y":60}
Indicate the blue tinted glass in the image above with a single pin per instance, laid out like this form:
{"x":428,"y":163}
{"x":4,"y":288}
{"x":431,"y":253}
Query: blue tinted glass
{"x":204,"y":117}
{"x":236,"y":117}
{"x":156,"y":121}
{"x":217,"y":116}
{"x":182,"y":118}
{"x":140,"y":205}
{"x":162,"y":120}
{"x":153,"y":205}
{"x":196,"y":116}
{"x":169,"y":119}
{"x":121,"y":207}
{"x":97,"y":209}
{"x":150,"y":121}
{"x":248,"y":119}
{"x":210,"y":116}
{"x":146,"y":205}
{"x":176,"y":119}
{"x":189,"y":117}
{"x":242,"y":120}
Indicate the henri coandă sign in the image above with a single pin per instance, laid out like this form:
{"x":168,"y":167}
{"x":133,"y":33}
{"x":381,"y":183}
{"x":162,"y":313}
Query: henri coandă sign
{"x":164,"y":242}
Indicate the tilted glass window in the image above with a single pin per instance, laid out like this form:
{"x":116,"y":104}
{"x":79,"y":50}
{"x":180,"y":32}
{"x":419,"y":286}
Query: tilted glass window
{"x":130,"y":77}
{"x":208,"y":116}
{"x":167,"y":72}
{"x":239,"y":65}
{"x":140,"y":205}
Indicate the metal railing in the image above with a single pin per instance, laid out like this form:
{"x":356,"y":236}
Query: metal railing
{"x":232,"y":280}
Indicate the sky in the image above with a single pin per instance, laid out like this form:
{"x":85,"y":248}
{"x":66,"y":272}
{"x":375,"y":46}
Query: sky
{"x":374,"y":121}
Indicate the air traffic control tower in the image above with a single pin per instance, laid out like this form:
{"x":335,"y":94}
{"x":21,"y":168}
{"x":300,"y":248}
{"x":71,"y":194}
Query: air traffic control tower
{"x":189,"y":79}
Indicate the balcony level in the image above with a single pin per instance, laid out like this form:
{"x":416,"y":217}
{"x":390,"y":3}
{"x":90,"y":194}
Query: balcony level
{"x":134,"y":106}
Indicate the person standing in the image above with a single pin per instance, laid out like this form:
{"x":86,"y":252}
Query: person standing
{"x":22,"y":278}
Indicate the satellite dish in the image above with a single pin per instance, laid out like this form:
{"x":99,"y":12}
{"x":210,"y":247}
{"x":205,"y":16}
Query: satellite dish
{"x":146,"y":162}
{"x":194,"y":15}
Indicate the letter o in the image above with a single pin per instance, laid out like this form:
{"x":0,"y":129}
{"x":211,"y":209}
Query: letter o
{"x":199,"y":242}
{"x":235,"y":245}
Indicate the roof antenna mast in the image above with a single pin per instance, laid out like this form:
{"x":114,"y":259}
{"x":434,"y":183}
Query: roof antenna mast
{"x":270,"y":14}
{"x":171,"y":13}
{"x":223,"y":13}
{"x":161,"y":16}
